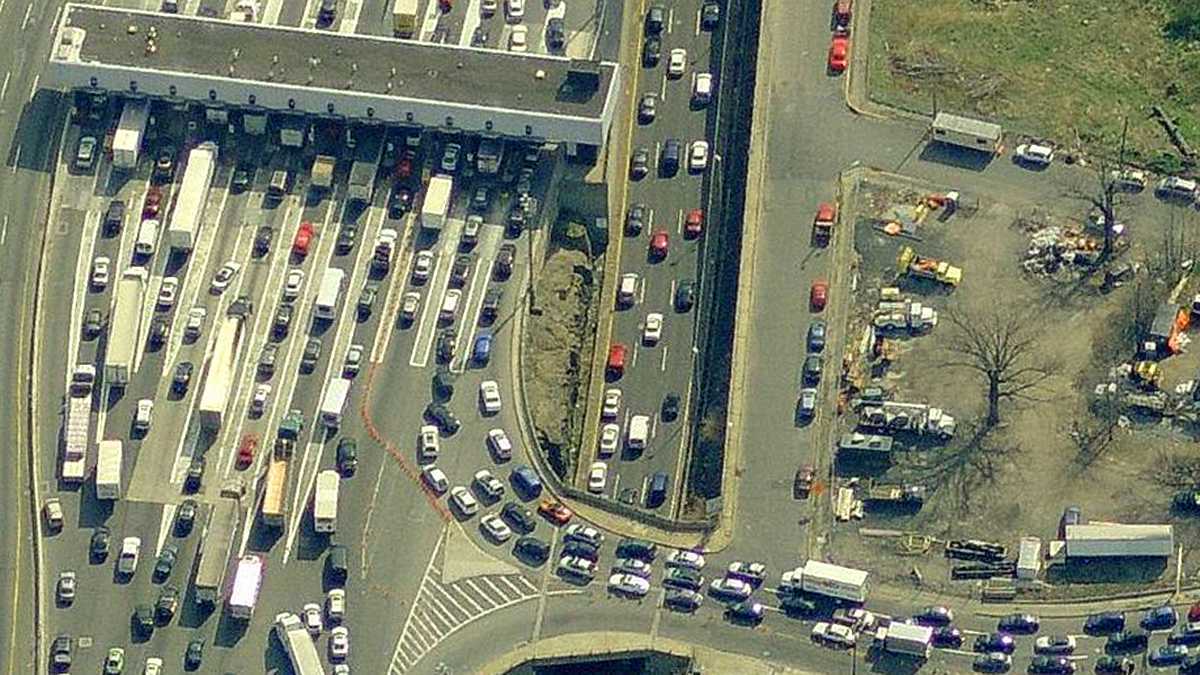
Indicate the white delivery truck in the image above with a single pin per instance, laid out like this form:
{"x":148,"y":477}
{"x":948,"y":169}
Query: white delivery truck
{"x":188,"y":212}
{"x":125,"y":328}
{"x":243,"y":592}
{"x":832,"y":581}
{"x":906,"y":639}
{"x":108,"y":470}
{"x":325,"y":502}
{"x":334,"y":402}
{"x":131,"y":131}
{"x":329,"y":295}
{"x":298,"y":644}
{"x":79,"y":417}
{"x":436,"y":205}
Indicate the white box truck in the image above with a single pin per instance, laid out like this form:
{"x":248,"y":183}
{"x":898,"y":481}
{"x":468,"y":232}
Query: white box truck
{"x":334,"y":402}
{"x":188,"y":212}
{"x":436,"y":205}
{"x":906,"y":639}
{"x":218,"y":382}
{"x":131,"y":131}
{"x":832,"y":581}
{"x":247,"y":582}
{"x":108,"y":470}
{"x":125,"y":329}
{"x":79,"y":417}
{"x":322,"y":173}
{"x":325,"y":502}
{"x":298,"y":644}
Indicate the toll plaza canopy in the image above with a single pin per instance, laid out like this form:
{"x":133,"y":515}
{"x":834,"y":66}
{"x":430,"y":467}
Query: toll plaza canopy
{"x":326,"y":73}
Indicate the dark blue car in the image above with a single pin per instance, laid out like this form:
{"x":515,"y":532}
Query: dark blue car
{"x":995,"y":642}
{"x":482,"y":351}
{"x":1159,"y":618}
{"x":526,"y":481}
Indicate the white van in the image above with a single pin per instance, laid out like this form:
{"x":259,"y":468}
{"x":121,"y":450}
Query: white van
{"x":702,"y":88}
{"x":329,"y":295}
{"x":450,"y":305}
{"x":625,"y":293}
{"x":639,"y":432}
{"x":143,"y":415}
{"x":147,"y":238}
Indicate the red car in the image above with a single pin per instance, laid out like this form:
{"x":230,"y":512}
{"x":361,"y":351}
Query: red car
{"x":555,"y":512}
{"x":818,"y":295}
{"x":839,"y":53}
{"x":616,"y":360}
{"x":658,"y":244}
{"x":304,"y":237}
{"x":245,"y":453}
{"x":404,"y":168}
{"x":1194,"y":612}
{"x":803,"y":483}
{"x":153,"y":204}
{"x":694,"y":224}
{"x":823,"y":222}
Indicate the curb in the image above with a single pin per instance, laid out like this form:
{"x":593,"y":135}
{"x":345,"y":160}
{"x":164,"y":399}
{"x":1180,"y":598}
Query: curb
{"x":856,"y":90}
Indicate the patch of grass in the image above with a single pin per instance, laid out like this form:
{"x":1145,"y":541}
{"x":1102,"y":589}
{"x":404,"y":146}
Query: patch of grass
{"x":1068,"y":70}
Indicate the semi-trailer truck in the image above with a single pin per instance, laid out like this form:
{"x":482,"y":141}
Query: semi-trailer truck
{"x":298,"y":644}
{"x":219,"y":381}
{"x":368,"y":149}
{"x":274,"y":504}
{"x":322,"y":173}
{"x":131,"y":132}
{"x":215,"y":547}
{"x":334,"y":402}
{"x":188,"y":212}
{"x":436,"y":204}
{"x":125,"y":329}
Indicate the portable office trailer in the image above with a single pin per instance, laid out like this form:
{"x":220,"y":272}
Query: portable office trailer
{"x":966,"y":132}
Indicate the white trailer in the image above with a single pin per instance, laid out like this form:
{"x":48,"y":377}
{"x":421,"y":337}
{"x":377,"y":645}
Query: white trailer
{"x":131,"y":131}
{"x":219,"y":380}
{"x":436,"y":205}
{"x":821,"y":578}
{"x":1116,"y":540}
{"x":906,"y":639}
{"x":108,"y":470}
{"x":298,"y":644}
{"x":215,"y":547}
{"x":1029,"y":561}
{"x":325,"y":502}
{"x":334,"y":402}
{"x":78,"y":422}
{"x":125,"y":329}
{"x":966,"y":132}
{"x":188,"y":211}
{"x":247,"y":582}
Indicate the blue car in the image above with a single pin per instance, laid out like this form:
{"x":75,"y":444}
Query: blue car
{"x":525,"y":480}
{"x":482,"y":351}
{"x":1159,"y":618}
{"x":1168,"y":655}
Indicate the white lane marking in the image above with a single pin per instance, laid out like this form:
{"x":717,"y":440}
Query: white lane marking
{"x":4,"y":231}
{"x":662,"y":89}
{"x":697,"y":27}
{"x":34,"y":87}
{"x":16,"y":158}
{"x":271,"y":12}
{"x":4,"y":87}
{"x":309,"y":19}
{"x":364,"y":558}
{"x":429,"y":22}
{"x":82,"y":274}
{"x":28,"y":12}
{"x":165,"y":524}
{"x":679,"y":223}
{"x":663,"y":366}
{"x":350,"y":17}
{"x":471,"y":21}
{"x":670,"y":20}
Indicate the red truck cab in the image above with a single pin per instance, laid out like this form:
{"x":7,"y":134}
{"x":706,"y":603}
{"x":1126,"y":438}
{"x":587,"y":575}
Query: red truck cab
{"x":303,"y":239}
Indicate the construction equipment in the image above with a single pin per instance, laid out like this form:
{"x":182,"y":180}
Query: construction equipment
{"x":908,"y":262}
{"x":1147,"y":375}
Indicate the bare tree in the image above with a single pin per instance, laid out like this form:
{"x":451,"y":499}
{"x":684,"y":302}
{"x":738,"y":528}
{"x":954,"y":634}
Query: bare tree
{"x":1000,"y":344}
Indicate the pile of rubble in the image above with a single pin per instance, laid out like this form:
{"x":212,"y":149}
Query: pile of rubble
{"x":1057,"y":251}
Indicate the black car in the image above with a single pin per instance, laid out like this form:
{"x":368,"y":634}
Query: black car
{"x":400,"y":202}
{"x":98,"y":548}
{"x":167,"y":604}
{"x":639,"y":164}
{"x":1025,"y":624}
{"x":480,"y":37}
{"x":241,"y":178}
{"x":447,"y":342}
{"x":460,"y":273}
{"x":1159,"y":618}
{"x":637,"y":548}
{"x":516,"y":220}
{"x":1128,"y":641}
{"x":194,"y":654}
{"x":242,"y":306}
{"x":1052,"y":664}
{"x":685,"y":296}
{"x":185,"y":517}
{"x":481,"y":199}
{"x":556,"y":33}
{"x":164,"y":165}
{"x":934,"y":616}
{"x":1187,"y":634}
{"x":337,"y":564}
{"x":114,"y":217}
{"x":195,"y":475}
{"x":366,"y":299}
{"x":1116,"y":665}
{"x":312,"y":352}
{"x":795,"y":605}
{"x":166,"y":561}
{"x":1104,"y":623}
{"x":670,"y":407}
{"x":182,"y":377}
{"x":813,"y":365}
{"x":947,"y":637}
{"x":347,"y":456}
{"x":491,"y":304}
{"x":347,"y":237}
{"x":635,"y":219}
{"x":532,"y":549}
{"x":93,"y":323}
{"x":672,"y":154}
{"x":580,"y":549}
{"x":443,"y":383}
{"x":747,"y":611}
{"x":440,"y":415}
{"x":656,"y":18}
{"x":504,"y":261}
{"x":519,"y":517}
{"x":993,"y":662}
{"x":816,"y":336}
{"x":60,"y":652}
{"x":327,"y":12}
{"x":994,"y":642}
{"x":710,"y":16}
{"x":159,"y":328}
{"x":266,"y":359}
{"x":1190,"y":665}
{"x":283,"y":320}
{"x":683,"y":600}
{"x":263,"y":239}
{"x":683,"y":578}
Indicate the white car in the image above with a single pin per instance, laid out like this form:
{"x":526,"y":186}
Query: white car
{"x":1054,"y":644}
{"x":516,"y":9}
{"x":292,"y":283}
{"x":450,"y":157}
{"x":612,"y":404}
{"x":688,"y":559}
{"x":677,"y":62}
{"x":131,"y":548}
{"x":1033,"y":153}
{"x":702,"y":88}
{"x":66,"y":587}
{"x":698,"y":157}
{"x":628,"y":584}
{"x":731,"y":588}
{"x":488,"y":7}
{"x":258,"y":404}
{"x":143,"y":414}
{"x":195,"y":322}
{"x":495,"y":528}
{"x":488,"y":485}
{"x":154,"y":666}
{"x":354,"y":359}
{"x":412,"y":303}
{"x":633,"y":566}
{"x":311,"y":614}
{"x":463,"y":501}
{"x":225,"y":276}
{"x":754,"y":572}
{"x":833,"y":633}
{"x":610,"y":439}
{"x":335,"y":605}
{"x":652,"y":332}
{"x":500,"y":444}
{"x":576,"y":566}
{"x":489,"y":394}
{"x":436,"y":479}
{"x":429,"y":442}
{"x":585,"y":533}
{"x":422,"y":266}
{"x":100,"y":270}
{"x":518,"y":39}
{"x":597,"y":477}
{"x":339,"y":643}
{"x":450,"y":304}
{"x":167,"y":292}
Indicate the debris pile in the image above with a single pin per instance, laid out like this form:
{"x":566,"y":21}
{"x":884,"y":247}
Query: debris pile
{"x":1057,"y":251}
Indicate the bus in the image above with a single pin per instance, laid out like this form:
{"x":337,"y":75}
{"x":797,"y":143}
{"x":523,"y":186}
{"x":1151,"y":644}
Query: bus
{"x":274,"y":504}
{"x":330,"y":294}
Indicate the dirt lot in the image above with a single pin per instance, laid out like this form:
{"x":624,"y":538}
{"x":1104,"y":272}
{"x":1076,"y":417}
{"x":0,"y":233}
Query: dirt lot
{"x":1017,"y":480}
{"x":1104,"y":61}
